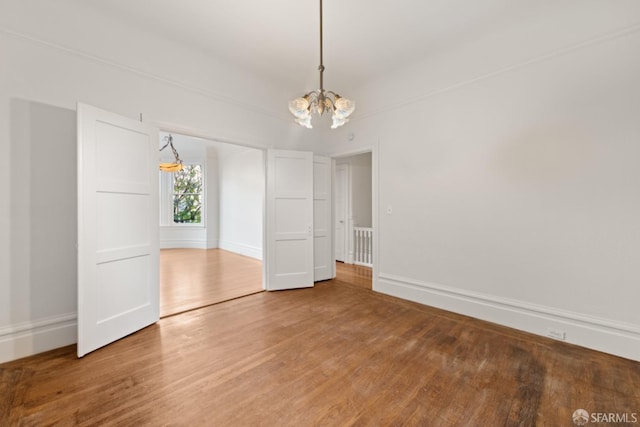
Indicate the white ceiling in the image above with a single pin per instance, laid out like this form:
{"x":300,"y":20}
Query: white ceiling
{"x":280,"y":39}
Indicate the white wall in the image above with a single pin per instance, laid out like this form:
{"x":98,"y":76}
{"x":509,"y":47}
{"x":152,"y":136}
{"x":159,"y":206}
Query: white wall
{"x":51,"y":59}
{"x":38,"y":221}
{"x":242,"y":188}
{"x":511,"y":168}
{"x":212,"y":188}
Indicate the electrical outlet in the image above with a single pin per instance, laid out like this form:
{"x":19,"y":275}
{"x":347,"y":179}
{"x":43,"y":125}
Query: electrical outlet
{"x":557,"y":334}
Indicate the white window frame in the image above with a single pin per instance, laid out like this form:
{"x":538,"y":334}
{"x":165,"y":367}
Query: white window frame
{"x":166,"y":199}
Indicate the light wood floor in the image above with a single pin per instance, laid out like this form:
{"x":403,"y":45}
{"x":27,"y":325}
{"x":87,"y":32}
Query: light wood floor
{"x":194,"y":278}
{"x":336,"y":354}
{"x":357,"y":275}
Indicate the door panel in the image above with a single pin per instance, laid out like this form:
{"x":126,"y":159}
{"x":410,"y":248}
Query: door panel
{"x":324,"y":266}
{"x":122,"y":286}
{"x":340,"y":212}
{"x":289,"y":230}
{"x":118,"y":245}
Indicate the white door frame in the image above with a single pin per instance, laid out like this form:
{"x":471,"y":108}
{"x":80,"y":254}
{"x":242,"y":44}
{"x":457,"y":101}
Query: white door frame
{"x":171,"y":128}
{"x":375,"y":209}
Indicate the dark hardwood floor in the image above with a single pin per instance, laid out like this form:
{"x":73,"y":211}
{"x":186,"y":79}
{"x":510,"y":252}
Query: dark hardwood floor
{"x":336,"y":354}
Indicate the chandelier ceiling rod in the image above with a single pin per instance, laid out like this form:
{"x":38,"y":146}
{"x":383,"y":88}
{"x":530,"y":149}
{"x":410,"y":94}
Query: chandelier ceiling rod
{"x":321,"y":67}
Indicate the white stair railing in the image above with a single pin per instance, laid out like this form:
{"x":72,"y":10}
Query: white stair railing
{"x":363,"y":246}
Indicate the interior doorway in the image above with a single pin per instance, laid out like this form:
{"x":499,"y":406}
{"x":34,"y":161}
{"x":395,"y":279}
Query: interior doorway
{"x":216,"y":253}
{"x":353,"y":208}
{"x":354,"y":233}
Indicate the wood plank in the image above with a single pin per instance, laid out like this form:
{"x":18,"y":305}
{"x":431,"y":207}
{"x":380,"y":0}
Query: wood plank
{"x":336,"y":354}
{"x":195,"y":278}
{"x":358,"y":275}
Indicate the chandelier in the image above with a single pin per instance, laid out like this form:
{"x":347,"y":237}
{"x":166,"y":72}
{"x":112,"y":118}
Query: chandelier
{"x":176,"y":165}
{"x":321,"y":100}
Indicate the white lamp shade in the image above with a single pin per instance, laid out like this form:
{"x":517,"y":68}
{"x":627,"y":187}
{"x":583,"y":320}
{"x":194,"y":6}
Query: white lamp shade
{"x":304,"y":121}
{"x":299,"y":107}
{"x":344,"y":107}
{"x":338,"y":121}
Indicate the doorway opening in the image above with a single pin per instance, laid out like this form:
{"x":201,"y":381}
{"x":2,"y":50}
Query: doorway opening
{"x":211,"y":224}
{"x":354,"y":233}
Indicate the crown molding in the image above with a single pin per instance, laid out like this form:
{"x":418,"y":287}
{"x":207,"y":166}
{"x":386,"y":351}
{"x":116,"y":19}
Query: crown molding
{"x":619,"y":33}
{"x":142,"y":73}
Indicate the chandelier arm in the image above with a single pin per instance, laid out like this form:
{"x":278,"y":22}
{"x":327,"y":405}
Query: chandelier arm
{"x":169,"y":143}
{"x":333,"y":104}
{"x":165,"y":145}
{"x":175,"y":154}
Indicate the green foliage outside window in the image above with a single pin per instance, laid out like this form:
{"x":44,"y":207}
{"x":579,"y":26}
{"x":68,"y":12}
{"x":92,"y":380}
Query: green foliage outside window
{"x":187,"y":195}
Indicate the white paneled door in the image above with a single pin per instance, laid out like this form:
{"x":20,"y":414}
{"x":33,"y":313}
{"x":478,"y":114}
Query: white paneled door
{"x":324,"y":265}
{"x":118,"y":245}
{"x":341,"y":190}
{"x":289,"y":231}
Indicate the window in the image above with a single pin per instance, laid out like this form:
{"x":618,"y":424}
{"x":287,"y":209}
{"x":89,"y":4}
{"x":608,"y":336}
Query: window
{"x":187,"y":195}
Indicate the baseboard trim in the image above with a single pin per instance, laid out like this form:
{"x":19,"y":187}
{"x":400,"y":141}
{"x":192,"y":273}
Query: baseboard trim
{"x":29,"y":338}
{"x":242,"y":249}
{"x":185,"y":244}
{"x":609,"y":336}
